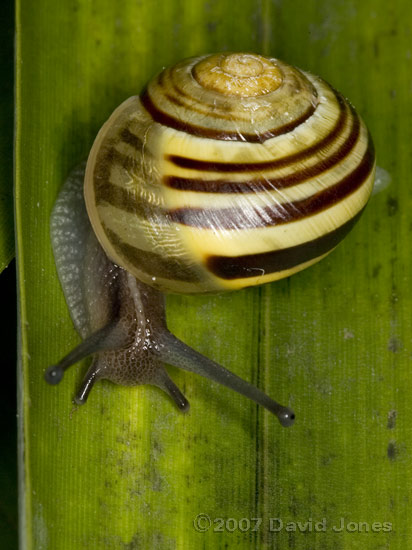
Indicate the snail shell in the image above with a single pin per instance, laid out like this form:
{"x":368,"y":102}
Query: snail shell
{"x":230,"y":170}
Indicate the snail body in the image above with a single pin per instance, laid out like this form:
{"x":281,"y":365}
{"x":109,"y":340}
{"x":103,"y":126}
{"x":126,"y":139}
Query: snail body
{"x":228,"y":171}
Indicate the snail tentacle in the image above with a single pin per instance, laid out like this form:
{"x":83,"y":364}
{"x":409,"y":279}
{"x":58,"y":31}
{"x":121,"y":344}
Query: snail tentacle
{"x":175,"y":352}
{"x":92,"y":375}
{"x":109,"y":337}
{"x":167,"y":385}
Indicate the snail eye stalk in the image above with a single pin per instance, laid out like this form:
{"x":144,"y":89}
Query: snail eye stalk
{"x":174,"y":352}
{"x":108,"y":337}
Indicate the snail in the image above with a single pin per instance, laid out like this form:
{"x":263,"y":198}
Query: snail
{"x":228,"y":171}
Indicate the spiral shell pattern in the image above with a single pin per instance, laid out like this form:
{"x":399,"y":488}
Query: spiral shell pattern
{"x":229,"y":170}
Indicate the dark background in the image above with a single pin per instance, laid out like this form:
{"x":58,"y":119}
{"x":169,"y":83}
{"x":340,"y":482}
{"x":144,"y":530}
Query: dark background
{"x":8,"y":427}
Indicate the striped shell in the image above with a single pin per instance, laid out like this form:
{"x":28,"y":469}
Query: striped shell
{"x":230,"y":170}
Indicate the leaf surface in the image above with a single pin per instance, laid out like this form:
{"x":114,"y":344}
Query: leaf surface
{"x":127,"y":470}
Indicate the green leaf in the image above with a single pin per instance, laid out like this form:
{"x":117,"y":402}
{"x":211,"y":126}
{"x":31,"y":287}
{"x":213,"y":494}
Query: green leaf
{"x":6,"y":136}
{"x":127,"y":470}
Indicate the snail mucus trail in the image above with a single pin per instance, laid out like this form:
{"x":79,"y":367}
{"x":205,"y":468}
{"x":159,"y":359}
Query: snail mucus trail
{"x":230,"y":170}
